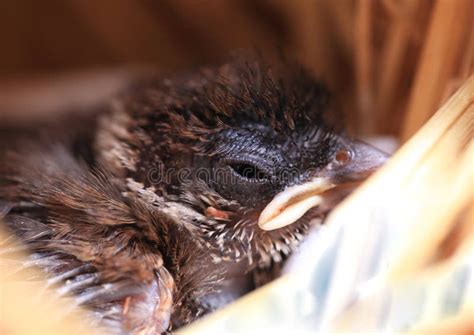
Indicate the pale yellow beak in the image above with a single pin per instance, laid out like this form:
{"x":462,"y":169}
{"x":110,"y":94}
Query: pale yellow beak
{"x":291,"y":204}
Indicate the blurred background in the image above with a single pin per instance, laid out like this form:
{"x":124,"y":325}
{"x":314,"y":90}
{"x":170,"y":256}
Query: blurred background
{"x":375,"y":55}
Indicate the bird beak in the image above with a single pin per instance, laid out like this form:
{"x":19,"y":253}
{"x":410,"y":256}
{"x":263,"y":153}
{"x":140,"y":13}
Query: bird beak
{"x":291,"y":204}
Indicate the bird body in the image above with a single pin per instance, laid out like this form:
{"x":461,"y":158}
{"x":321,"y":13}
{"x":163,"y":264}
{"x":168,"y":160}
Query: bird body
{"x":149,"y":212}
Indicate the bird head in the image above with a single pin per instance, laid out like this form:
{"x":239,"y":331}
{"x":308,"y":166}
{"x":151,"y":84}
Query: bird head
{"x":245,"y":150}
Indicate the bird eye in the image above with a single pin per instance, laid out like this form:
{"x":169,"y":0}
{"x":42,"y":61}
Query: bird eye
{"x":249,"y":171}
{"x":249,"y":180}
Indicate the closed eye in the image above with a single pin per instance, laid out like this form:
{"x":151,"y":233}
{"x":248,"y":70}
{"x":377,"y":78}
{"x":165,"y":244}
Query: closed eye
{"x":249,"y":171}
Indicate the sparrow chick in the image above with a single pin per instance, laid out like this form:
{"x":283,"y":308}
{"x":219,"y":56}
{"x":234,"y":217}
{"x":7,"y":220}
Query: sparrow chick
{"x":182,"y":194}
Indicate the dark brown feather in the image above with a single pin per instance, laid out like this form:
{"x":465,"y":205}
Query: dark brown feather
{"x":153,"y":256}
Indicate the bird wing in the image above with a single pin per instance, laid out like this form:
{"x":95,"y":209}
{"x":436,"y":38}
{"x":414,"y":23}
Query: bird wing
{"x":92,"y":243}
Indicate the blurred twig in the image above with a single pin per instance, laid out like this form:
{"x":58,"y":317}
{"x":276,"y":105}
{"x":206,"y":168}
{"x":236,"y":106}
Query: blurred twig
{"x":452,"y":23}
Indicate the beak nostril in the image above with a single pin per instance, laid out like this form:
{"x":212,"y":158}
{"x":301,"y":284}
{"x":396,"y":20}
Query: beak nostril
{"x":343,"y":157}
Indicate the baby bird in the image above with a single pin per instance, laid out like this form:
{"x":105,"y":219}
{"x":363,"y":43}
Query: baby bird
{"x":181,"y":194}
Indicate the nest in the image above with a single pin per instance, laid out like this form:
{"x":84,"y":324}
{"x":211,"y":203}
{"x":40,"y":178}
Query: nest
{"x":394,"y":64}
